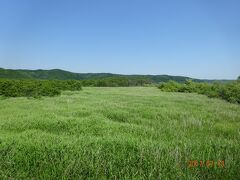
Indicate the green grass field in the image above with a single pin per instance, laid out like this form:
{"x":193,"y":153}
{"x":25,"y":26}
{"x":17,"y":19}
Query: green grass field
{"x":118,"y":133}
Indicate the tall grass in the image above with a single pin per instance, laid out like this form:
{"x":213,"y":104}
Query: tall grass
{"x":118,"y":133}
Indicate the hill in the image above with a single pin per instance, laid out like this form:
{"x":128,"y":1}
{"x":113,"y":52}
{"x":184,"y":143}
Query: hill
{"x":58,"y":74}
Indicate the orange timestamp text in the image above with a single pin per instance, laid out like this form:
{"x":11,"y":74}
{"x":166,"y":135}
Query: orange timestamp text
{"x":208,"y":164}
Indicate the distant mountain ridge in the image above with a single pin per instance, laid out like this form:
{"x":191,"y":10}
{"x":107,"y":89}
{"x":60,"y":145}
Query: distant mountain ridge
{"x":58,"y":74}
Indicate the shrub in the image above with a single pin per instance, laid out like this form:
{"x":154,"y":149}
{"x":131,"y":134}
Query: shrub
{"x":170,"y":86}
{"x":36,"y":88}
{"x":229,"y":92}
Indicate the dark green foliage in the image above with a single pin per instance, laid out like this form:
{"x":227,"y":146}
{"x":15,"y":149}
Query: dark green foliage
{"x":229,"y":91}
{"x":72,"y":85}
{"x":116,"y":82}
{"x":36,"y":88}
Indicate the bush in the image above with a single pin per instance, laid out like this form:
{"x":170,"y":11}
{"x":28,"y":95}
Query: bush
{"x":36,"y":88}
{"x":170,"y":86}
{"x":229,"y":92}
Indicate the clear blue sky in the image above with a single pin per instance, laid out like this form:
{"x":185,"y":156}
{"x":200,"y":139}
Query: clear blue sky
{"x":196,"y":38}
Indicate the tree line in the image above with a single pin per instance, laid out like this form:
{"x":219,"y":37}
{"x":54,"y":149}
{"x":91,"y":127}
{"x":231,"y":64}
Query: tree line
{"x":116,"y":82}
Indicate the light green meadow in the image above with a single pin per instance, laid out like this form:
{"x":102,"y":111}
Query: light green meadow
{"x":118,"y":133}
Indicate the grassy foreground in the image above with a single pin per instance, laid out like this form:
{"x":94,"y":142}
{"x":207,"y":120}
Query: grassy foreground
{"x":123,"y":133}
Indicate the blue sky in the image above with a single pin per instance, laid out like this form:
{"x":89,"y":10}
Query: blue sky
{"x":196,"y":38}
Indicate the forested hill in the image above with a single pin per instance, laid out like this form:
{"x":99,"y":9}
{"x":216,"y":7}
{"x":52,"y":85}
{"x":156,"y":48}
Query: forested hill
{"x":58,"y":74}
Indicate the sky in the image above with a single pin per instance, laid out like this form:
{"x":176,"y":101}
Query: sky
{"x":195,"y":38}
